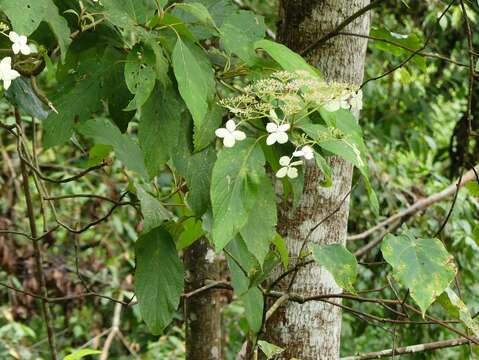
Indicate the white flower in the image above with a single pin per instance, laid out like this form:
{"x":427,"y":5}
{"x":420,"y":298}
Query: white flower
{"x":19,"y":43}
{"x":307,"y":152}
{"x":356,"y":100}
{"x":7,"y":74}
{"x":340,"y":102}
{"x":288,"y":168}
{"x":210,"y":256}
{"x":277,"y":133}
{"x":229,"y":134}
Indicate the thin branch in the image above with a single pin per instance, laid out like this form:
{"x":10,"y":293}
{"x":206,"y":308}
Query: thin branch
{"x":416,"y":207}
{"x":412,"y":349}
{"x":340,"y":27}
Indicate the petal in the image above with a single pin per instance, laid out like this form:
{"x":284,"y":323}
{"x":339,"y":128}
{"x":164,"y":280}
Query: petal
{"x":7,"y":83}
{"x":22,"y":40}
{"x":292,"y":172}
{"x":6,"y":63}
{"x":13,"y":74}
{"x":296,"y":163}
{"x":25,"y":50}
{"x":271,"y":139}
{"x":16,"y":48}
{"x":221,"y":132}
{"x":271,"y":127}
{"x":281,"y":137}
{"x":229,"y":141}
{"x":284,"y":160}
{"x":282,"y":172}
{"x":239,"y":135}
{"x":230,"y":125}
{"x":309,"y":156}
{"x":284,"y":127}
{"x":298,"y":153}
{"x":13,"y":36}
{"x":332,"y":106}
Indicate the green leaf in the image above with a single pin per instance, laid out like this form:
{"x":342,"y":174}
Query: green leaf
{"x":260,"y":228}
{"x":199,"y":11}
{"x":280,"y":245}
{"x":194,"y":83}
{"x":237,"y":174}
{"x":128,"y":13}
{"x":288,"y":59}
{"x":154,"y":213}
{"x":252,"y":298}
{"x":158,"y":278}
{"x":456,"y":308}
{"x":26,"y":16}
{"x":339,"y":262}
{"x":472,"y":187}
{"x":205,"y":135}
{"x":81,"y":354}
{"x":140,"y":75}
{"x":159,"y":127}
{"x":103,"y":131}
{"x":421,"y":264}
{"x":21,"y":94}
{"x":193,"y":230}
{"x":326,"y":170}
{"x":269,"y":350}
{"x":239,"y":33}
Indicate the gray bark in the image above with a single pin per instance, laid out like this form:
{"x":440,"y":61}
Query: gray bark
{"x":202,"y":311}
{"x":312,"y":330}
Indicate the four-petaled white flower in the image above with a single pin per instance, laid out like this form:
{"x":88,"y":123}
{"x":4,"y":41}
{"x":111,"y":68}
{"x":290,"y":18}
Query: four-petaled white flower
{"x":288,"y":168}
{"x":277,"y":133}
{"x":20,"y":43}
{"x":7,"y":74}
{"x":306,"y":151}
{"x":229,"y":134}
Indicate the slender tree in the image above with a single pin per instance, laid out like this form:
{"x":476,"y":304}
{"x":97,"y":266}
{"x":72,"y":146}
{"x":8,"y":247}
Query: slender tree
{"x":312,"y":330}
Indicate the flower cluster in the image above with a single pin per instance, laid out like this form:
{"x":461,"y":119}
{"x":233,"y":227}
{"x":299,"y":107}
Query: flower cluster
{"x":19,"y":46}
{"x":293,"y":95}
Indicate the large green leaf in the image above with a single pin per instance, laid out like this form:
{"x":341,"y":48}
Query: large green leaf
{"x":239,"y":33}
{"x":251,"y":297}
{"x":421,"y":264}
{"x":205,"y":135}
{"x":194,"y":81}
{"x":260,"y":228}
{"x":129,"y":13}
{"x":235,"y":185}
{"x":154,"y":213}
{"x":103,"y":131}
{"x":159,"y":127}
{"x":288,"y":59}
{"x":21,"y":94}
{"x":339,"y":262}
{"x":158,"y":278}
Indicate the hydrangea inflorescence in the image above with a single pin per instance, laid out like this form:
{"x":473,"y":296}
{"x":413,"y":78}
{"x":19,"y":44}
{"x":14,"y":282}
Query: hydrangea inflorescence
{"x":284,"y":99}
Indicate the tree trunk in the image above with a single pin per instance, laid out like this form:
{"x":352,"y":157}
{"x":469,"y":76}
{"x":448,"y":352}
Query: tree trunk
{"x":312,"y":330}
{"x":202,"y":311}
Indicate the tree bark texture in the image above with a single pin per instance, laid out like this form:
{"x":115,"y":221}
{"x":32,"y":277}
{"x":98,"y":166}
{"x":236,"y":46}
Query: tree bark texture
{"x":312,"y":330}
{"x":202,"y":311}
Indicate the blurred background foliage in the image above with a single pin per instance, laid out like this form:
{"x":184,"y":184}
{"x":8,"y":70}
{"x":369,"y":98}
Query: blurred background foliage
{"x":412,"y":124}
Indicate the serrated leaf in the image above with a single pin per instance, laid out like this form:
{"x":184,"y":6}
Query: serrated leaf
{"x":194,"y":83}
{"x":260,"y":228}
{"x":457,"y":309}
{"x":239,"y":33}
{"x":103,"y":131}
{"x":158,"y":278}
{"x":234,"y":186}
{"x":288,"y":59}
{"x":339,"y":262}
{"x":154,"y":213}
{"x":421,"y":264}
{"x":199,"y":11}
{"x":270,"y":350}
{"x":128,"y":13}
{"x":252,"y":298}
